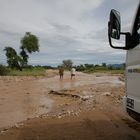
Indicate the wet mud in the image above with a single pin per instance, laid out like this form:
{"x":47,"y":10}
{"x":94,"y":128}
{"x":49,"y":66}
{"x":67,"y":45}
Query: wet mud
{"x":86,"y":107}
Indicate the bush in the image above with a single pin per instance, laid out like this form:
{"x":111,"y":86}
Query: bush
{"x":3,"y":70}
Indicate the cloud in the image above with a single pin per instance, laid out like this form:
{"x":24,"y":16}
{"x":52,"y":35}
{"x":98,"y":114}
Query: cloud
{"x":67,"y":29}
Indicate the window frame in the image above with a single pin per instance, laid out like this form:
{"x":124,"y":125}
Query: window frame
{"x":135,"y":40}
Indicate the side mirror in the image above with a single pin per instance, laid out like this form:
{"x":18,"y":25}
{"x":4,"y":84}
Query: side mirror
{"x":114,"y":33}
{"x":114,"y":30}
{"x":114,"y":24}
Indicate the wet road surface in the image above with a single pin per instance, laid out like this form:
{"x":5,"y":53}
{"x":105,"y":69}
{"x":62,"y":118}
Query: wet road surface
{"x":23,"y":99}
{"x":100,"y":119}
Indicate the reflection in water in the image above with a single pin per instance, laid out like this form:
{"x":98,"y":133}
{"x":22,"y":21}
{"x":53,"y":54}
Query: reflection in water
{"x":61,"y":84}
{"x":72,"y":83}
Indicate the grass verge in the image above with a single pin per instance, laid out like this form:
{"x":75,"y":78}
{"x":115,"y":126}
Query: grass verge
{"x":105,"y":71}
{"x":27,"y":72}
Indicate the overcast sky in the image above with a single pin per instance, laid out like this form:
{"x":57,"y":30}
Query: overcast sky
{"x":67,"y":29}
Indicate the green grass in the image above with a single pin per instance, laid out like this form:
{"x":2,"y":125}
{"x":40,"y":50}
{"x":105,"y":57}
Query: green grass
{"x":121,"y":71}
{"x":3,"y":70}
{"x":27,"y":72}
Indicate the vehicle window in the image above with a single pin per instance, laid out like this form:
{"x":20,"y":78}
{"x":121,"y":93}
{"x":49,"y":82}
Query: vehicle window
{"x":138,"y":29}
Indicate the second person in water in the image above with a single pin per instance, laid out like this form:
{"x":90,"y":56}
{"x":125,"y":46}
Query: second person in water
{"x":73,"y":72}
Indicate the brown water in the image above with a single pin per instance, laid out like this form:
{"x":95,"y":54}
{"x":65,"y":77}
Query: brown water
{"x":19,"y":108}
{"x":23,"y":99}
{"x":80,"y":79}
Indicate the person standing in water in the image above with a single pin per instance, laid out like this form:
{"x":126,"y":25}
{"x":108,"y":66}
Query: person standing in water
{"x":73,"y":72}
{"x":61,"y":72}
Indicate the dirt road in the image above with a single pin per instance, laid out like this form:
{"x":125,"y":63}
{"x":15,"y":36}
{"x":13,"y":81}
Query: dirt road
{"x":88,"y":107}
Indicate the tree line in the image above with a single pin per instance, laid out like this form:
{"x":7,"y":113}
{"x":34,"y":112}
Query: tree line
{"x":68,"y":64}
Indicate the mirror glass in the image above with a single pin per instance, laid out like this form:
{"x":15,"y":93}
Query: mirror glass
{"x":114,"y":24}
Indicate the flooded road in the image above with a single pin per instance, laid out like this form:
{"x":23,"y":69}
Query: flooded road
{"x":23,"y":98}
{"x":80,"y":79}
{"x":85,"y":108}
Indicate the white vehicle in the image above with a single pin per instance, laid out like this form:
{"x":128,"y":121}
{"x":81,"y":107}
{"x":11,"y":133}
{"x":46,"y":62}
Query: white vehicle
{"x":132,"y":71}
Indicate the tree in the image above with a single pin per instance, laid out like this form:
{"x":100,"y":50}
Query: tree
{"x":104,"y":64}
{"x":67,"y":64}
{"x":80,"y":67}
{"x":25,"y":57}
{"x":89,"y":66}
{"x":13,"y":59}
{"x":29,"y":44}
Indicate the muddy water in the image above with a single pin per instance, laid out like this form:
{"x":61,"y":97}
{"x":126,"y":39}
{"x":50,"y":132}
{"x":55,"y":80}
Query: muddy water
{"x":24,"y":99}
{"x":21,"y":109}
{"x":79,"y":80}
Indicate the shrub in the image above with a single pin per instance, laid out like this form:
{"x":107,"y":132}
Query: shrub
{"x":3,"y":70}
